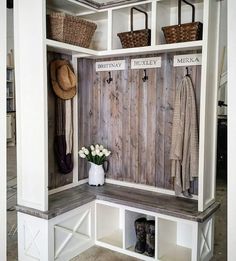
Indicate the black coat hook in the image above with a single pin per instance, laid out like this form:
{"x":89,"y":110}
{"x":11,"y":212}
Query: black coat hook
{"x":145,"y":78}
{"x":109,"y":80}
{"x":187,"y":72}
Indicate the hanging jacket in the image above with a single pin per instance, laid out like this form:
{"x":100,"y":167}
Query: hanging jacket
{"x":184,"y":144}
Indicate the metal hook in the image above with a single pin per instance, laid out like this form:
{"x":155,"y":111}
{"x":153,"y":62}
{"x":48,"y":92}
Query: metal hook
{"x":109,"y":80}
{"x":187,"y":72}
{"x":145,"y":78}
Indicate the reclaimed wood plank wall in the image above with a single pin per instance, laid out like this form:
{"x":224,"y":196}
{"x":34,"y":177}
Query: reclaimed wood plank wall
{"x":55,"y":178}
{"x":132,"y":118}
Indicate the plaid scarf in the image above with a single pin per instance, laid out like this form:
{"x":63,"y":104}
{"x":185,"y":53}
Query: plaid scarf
{"x":63,"y":135}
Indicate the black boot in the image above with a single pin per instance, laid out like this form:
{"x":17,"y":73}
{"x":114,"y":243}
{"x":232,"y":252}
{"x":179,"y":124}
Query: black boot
{"x":141,"y":235}
{"x":150,"y":238}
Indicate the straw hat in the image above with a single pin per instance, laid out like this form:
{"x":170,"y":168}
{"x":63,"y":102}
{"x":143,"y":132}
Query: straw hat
{"x":63,"y":79}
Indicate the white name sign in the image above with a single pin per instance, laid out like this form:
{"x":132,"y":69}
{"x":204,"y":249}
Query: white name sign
{"x":187,"y":59}
{"x":117,"y":65}
{"x":143,"y":63}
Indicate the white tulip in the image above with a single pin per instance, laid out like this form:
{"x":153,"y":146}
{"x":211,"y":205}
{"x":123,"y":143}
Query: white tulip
{"x":82,"y":155}
{"x":101,"y":147}
{"x":100,"y":154}
{"x":92,"y":147}
{"x":97,"y":151}
{"x":93,"y":153}
{"x":97,"y":146}
{"x":108,"y":153}
{"x":83,"y":149}
{"x":105,"y":151}
{"x":86,"y":152}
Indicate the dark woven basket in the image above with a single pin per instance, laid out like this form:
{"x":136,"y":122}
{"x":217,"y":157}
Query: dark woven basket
{"x":183,"y":32}
{"x":136,"y":38}
{"x":70,"y":29}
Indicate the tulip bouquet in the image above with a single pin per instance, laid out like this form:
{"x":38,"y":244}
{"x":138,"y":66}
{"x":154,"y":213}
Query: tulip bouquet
{"x":96,"y":154}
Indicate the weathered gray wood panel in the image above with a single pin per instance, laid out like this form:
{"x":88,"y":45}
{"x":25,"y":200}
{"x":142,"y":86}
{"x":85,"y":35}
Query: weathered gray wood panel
{"x":73,"y":198}
{"x":55,"y":179}
{"x":133,"y":118}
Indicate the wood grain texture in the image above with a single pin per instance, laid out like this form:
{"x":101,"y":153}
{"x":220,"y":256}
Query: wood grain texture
{"x":70,"y":199}
{"x":55,"y":178}
{"x":133,"y":118}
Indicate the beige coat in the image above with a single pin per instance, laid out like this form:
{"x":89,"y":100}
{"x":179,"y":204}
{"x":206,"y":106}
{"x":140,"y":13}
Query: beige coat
{"x":184,"y":143}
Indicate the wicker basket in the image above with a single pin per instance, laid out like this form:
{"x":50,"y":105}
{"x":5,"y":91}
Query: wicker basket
{"x":136,"y":38}
{"x":183,"y":32}
{"x":70,"y":29}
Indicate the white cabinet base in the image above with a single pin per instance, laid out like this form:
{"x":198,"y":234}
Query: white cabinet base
{"x":111,"y":226}
{"x":60,"y":238}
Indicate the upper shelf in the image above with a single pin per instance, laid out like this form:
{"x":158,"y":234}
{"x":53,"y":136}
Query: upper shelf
{"x":113,"y":20}
{"x":85,"y":52}
{"x":69,"y":49}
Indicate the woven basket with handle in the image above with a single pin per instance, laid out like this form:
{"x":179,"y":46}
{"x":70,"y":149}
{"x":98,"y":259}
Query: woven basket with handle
{"x":136,"y":38}
{"x":183,"y":32}
{"x":70,"y":29}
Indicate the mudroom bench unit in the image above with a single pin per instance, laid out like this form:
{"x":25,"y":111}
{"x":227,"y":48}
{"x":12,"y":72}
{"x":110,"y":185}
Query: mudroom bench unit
{"x":84,"y":216}
{"x":128,"y":110}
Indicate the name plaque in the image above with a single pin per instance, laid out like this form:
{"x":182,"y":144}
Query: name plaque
{"x":187,"y":59}
{"x":145,"y":63}
{"x":117,"y":65}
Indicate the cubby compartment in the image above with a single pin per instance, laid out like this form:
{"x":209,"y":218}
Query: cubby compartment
{"x":167,"y":14}
{"x":109,"y":225}
{"x":121,"y":22}
{"x":100,"y":38}
{"x":130,"y":232}
{"x":175,"y":240}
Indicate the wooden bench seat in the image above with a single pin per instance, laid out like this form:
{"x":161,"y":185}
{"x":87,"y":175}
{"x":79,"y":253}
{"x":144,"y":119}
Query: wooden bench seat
{"x":70,"y":199}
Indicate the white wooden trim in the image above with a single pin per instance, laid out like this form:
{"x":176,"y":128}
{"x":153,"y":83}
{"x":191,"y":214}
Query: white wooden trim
{"x":208,"y":105}
{"x":31,"y":103}
{"x":153,"y":23}
{"x":75,"y":126}
{"x":231,"y":129}
{"x":80,"y":52}
{"x":185,"y":46}
{"x":68,"y":48}
{"x":120,"y":183}
{"x":144,"y":187}
{"x":3,"y":138}
{"x":71,"y":185}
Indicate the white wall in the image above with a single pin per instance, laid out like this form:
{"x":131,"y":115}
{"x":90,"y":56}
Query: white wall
{"x":232,"y":130}
{"x":3,"y":183}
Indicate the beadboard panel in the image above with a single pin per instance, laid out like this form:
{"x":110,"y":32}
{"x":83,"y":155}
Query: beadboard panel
{"x":132,"y":118}
{"x":55,"y":178}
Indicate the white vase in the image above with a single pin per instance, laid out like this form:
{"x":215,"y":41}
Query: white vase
{"x":96,"y":174}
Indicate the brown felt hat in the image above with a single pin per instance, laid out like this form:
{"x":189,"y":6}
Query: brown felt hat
{"x":63,"y":79}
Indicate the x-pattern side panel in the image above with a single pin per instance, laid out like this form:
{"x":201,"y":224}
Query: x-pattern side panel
{"x":205,"y":245}
{"x":31,"y":247}
{"x":71,"y":233}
